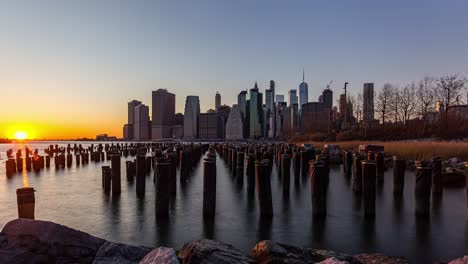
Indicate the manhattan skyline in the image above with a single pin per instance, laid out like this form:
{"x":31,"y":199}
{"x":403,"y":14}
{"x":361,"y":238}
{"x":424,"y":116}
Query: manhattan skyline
{"x":70,"y":68}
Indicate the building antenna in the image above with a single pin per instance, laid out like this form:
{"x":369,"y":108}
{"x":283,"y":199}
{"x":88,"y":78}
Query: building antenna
{"x":303,"y":75}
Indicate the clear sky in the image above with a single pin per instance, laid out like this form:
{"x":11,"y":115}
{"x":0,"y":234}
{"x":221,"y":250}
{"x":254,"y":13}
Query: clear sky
{"x":68,"y":68}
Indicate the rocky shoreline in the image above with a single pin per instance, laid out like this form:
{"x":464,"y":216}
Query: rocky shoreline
{"x":35,"y":241}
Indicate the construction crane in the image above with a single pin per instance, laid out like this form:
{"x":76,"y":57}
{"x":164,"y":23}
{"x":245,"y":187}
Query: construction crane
{"x":329,"y":84}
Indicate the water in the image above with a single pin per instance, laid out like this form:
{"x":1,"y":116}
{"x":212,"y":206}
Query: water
{"x":73,"y":197}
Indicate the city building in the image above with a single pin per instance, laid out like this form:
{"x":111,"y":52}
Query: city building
{"x":280,"y":117}
{"x":128,"y":132}
{"x":269,"y":112}
{"x":255,"y":113}
{"x":163,"y":115}
{"x":141,"y":121}
{"x":191,"y":114}
{"x":128,"y":128}
{"x":105,"y":137}
{"x":303,"y":92}
{"x":316,"y":117}
{"x":292,"y":97}
{"x":217,"y":101}
{"x":242,"y":103}
{"x":368,"y":103}
{"x":209,"y":124}
{"x":279,"y":98}
{"x":235,"y":124}
{"x":179,"y":119}
{"x":223,"y":115}
{"x":327,"y":98}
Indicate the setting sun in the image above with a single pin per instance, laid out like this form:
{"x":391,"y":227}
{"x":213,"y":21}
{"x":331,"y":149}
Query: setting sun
{"x":20,"y":135}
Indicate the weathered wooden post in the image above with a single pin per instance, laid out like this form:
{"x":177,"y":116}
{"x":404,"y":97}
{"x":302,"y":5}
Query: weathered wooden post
{"x":357,"y":173}
{"x":172,"y":157}
{"x":209,"y":187}
{"x":106,"y":179}
{"x":162,"y":189}
{"x":264,"y":188}
{"x":69,"y":160}
{"x":348,"y":162}
{"x":19,"y":164}
{"x":10,"y":167}
{"x":240,"y":168}
{"x":115,"y":164}
{"x":26,"y":202}
{"x":47,"y":161}
{"x":297,"y":165}
{"x":78,"y":161}
{"x":148,"y":166}
{"x":318,"y":188}
{"x":436,"y":175}
{"x":380,"y":163}
{"x":304,"y":162}
{"x":422,"y":190}
{"x":370,"y":155}
{"x":369,"y":169}
{"x":140,"y":174}
{"x":399,"y":167}
{"x":286,"y":173}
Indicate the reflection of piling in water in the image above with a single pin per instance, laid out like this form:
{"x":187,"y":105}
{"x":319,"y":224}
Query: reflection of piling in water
{"x":250,"y":171}
{"x":69,"y":160}
{"x":436,"y":175}
{"x":263,"y":188}
{"x":318,"y":188}
{"x":369,"y":187}
{"x":209,"y":187}
{"x":422,"y":190}
{"x":357,"y":173}
{"x":297,"y":165}
{"x":77,"y":158}
{"x":26,"y":202}
{"x":149,"y":161}
{"x":172,"y":158}
{"x":380,"y":166}
{"x":47,"y":161}
{"x":347,"y":162}
{"x":162,"y":189}
{"x":285,"y":173}
{"x":239,"y":172}
{"x":115,"y":165}
{"x":19,"y":164}
{"x":140,"y":175}
{"x":399,"y":167}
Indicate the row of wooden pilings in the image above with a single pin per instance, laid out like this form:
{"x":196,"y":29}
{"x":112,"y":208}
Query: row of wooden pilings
{"x":164,"y":162}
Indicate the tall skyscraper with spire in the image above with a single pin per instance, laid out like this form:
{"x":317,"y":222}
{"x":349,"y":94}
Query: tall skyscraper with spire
{"x":303,"y":91}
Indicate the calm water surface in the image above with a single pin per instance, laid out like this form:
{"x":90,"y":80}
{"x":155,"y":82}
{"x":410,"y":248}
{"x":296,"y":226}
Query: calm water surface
{"x":73,"y":197}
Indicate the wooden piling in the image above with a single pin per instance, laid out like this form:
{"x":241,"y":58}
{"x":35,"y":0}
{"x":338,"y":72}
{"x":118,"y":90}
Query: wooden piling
{"x":399,"y":167}
{"x":318,"y":188}
{"x":209,"y":187}
{"x":25,"y":202}
{"x":162,"y":189}
{"x":286,"y":172}
{"x":10,"y":167}
{"x":380,"y":166}
{"x":369,"y":170}
{"x":263,"y":188}
{"x":106,"y":179}
{"x":115,"y":165}
{"x":250,"y":171}
{"x":140,"y":174}
{"x":357,"y":173}
{"x":436,"y":175}
{"x":422,"y":190}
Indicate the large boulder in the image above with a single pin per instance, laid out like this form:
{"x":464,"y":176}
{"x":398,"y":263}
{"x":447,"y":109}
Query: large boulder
{"x":49,"y":242}
{"x":463,"y":260}
{"x":161,"y":255}
{"x":120,"y":253}
{"x":380,"y":259}
{"x":269,"y":252}
{"x":209,"y":251}
{"x":333,"y":261}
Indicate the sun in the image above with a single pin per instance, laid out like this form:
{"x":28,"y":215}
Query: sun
{"x":20,"y":135}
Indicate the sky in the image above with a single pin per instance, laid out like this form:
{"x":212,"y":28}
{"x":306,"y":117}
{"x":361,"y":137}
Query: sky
{"x":68,"y":68}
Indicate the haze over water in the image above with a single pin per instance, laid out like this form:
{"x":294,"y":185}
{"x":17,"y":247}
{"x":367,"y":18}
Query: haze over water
{"x":74,"y":197}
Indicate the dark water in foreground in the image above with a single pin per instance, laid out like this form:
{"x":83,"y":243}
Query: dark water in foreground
{"x":73,"y":197}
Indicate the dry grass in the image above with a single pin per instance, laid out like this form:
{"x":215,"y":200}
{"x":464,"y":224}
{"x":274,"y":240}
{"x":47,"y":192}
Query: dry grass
{"x":410,"y":149}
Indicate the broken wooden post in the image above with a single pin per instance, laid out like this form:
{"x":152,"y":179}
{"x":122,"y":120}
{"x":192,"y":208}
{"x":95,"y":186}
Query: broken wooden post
{"x":162,"y":189}
{"x":399,"y":167}
{"x":115,"y":165}
{"x":25,"y":202}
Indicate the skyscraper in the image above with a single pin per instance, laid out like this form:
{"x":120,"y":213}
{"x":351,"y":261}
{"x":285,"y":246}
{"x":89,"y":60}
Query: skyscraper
{"x":191,"y":114}
{"x":242,"y":102}
{"x":269,"y":112}
{"x":270,"y":96}
{"x":279,"y":98}
{"x":128,"y":128}
{"x":292,"y":97}
{"x":141,"y":121}
{"x":368,"y":103}
{"x":163,"y":116}
{"x":255,"y":112}
{"x":235,"y":125}
{"x":303,"y":92}
{"x":327,"y":98}
{"x":217,"y":101}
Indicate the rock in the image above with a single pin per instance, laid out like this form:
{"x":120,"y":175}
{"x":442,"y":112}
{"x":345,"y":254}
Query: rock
{"x":161,"y":255}
{"x":210,"y":251}
{"x":333,"y":261}
{"x":50,"y":242}
{"x":380,"y":259}
{"x":463,"y":260}
{"x":119,"y":253}
{"x":267,"y":251}
{"x":340,"y":256}
{"x":453,"y":178}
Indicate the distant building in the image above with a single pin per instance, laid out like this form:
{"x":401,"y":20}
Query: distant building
{"x":217,"y":101}
{"x":141,"y":121}
{"x":269,"y":112}
{"x":223,"y":114}
{"x":208,"y":126}
{"x":128,"y":128}
{"x":316,"y":117}
{"x":177,"y":131}
{"x":163,"y":116}
{"x":255,"y":112}
{"x":327,"y":96}
{"x":191,"y":115}
{"x":235,"y":125}
{"x":280,"y":117}
{"x":128,"y":132}
{"x":242,"y":102}
{"x":279,"y":98}
{"x":105,"y":137}
{"x":179,"y":119}
{"x":368,"y":103}
{"x":292,"y":97}
{"x":303,"y":92}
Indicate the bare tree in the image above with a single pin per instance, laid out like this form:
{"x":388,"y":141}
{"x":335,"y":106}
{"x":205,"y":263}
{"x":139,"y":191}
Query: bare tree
{"x":394,"y":103}
{"x":449,"y":88}
{"x":358,"y":108}
{"x":426,"y":96}
{"x":407,"y":102}
{"x":382,"y":102}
